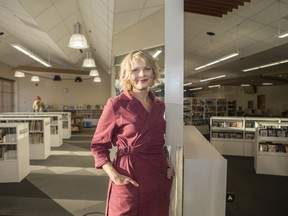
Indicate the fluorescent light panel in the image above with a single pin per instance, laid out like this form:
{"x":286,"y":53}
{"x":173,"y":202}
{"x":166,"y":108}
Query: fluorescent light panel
{"x":212,"y":78}
{"x":266,"y":65}
{"x":186,"y":84}
{"x":157,"y":53}
{"x":283,"y":35}
{"x":218,"y":60}
{"x":31,"y":55}
{"x":195,"y":89}
{"x":214,"y":86}
{"x":267,"y":84}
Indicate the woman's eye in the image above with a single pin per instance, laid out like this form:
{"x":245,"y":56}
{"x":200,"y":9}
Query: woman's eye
{"x":148,"y":68}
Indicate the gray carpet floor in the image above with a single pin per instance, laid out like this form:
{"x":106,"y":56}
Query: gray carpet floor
{"x":66,"y":184}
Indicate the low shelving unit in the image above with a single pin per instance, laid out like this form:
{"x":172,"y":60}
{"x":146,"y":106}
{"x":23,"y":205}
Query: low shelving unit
{"x":271,"y":149}
{"x":14,"y":152}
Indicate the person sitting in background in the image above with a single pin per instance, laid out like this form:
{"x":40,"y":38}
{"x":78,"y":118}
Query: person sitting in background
{"x":38,"y":105}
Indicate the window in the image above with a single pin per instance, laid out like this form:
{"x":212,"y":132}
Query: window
{"x":6,"y":95}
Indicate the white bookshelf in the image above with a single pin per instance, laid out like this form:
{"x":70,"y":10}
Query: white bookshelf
{"x":14,"y":152}
{"x":39,"y":135}
{"x":56,"y":139}
{"x":66,"y":120}
{"x":271,"y":148}
{"x":236,"y":135}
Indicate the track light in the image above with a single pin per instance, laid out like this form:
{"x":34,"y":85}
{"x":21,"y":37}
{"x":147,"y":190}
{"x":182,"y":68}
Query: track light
{"x":57,"y":78}
{"x":78,"y":79}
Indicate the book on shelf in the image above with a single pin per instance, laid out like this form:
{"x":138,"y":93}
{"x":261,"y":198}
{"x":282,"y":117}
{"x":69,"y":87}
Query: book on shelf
{"x":280,"y":147}
{"x":215,"y":134}
{"x":249,"y":136}
{"x":36,"y":138}
{"x":226,"y":135}
{"x":8,"y":152}
{"x":249,"y":124}
{"x":239,"y":135}
{"x":221,"y":135}
{"x":272,"y":132}
{"x":263,"y":132}
{"x":263,"y":147}
{"x":222,"y":124}
{"x":272,"y":147}
{"x":239,"y":124}
{"x":281,"y":133}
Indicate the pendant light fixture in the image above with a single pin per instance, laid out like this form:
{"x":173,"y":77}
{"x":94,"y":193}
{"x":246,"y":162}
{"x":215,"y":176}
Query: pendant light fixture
{"x":19,"y":74}
{"x":94,"y":72}
{"x":88,"y":62}
{"x":97,"y":79}
{"x":78,"y":40}
{"x":35,"y":79}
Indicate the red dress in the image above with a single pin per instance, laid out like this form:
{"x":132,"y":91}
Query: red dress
{"x":139,"y":137}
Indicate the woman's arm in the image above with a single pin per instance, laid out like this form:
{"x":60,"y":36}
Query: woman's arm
{"x":116,"y":177}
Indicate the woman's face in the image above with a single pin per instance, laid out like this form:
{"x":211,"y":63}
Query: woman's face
{"x":141,"y":76}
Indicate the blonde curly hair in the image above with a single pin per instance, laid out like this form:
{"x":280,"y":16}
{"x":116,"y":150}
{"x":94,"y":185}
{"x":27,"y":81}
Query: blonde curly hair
{"x":126,"y":65}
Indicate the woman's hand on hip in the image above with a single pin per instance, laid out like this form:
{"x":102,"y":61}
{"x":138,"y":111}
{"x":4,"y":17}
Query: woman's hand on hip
{"x":123,"y":180}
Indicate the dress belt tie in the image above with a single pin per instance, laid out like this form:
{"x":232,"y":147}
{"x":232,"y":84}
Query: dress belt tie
{"x":126,"y":150}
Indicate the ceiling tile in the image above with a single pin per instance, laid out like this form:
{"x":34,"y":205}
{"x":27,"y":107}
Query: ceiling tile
{"x":35,"y":7}
{"x":128,"y":5}
{"x":48,"y":19}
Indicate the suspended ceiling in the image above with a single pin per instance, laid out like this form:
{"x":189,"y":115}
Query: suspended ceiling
{"x":250,"y":27}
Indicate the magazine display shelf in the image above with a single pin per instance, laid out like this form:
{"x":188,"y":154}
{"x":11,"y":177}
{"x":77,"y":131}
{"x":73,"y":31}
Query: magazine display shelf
{"x":235,"y":135}
{"x":14,"y":152}
{"x":56,"y":138}
{"x":39,"y":135}
{"x":271,"y":149}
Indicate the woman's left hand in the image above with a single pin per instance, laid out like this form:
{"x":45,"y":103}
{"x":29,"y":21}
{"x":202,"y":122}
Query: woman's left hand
{"x":170,"y":173}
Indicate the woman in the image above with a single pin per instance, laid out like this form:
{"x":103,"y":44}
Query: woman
{"x":141,"y":175}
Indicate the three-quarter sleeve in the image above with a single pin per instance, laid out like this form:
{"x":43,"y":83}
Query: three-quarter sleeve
{"x":102,"y":140}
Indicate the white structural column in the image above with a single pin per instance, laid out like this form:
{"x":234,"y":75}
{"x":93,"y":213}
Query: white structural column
{"x":174,"y":39}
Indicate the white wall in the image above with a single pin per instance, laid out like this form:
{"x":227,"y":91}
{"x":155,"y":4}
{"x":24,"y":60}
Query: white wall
{"x":52,"y":92}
